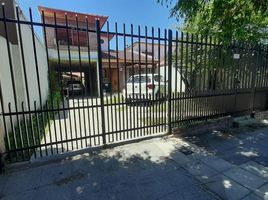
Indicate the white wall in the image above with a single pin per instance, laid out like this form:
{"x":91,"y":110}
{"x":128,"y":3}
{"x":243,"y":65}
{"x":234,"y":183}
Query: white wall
{"x":179,"y":83}
{"x":20,"y":89}
{"x":6,"y":86}
{"x":150,"y":49}
{"x":104,"y":45}
{"x":31,"y":66}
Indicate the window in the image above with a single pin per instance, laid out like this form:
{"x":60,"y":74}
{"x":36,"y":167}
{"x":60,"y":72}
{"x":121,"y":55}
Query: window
{"x":158,"y":78}
{"x":82,"y":38}
{"x":139,"y":79}
{"x":62,"y":37}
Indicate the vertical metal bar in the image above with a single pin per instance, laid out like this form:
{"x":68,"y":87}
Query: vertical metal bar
{"x":186,"y":86}
{"x":176,"y":78}
{"x":253,"y":85}
{"x":70,"y":64}
{"x":169,"y":78}
{"x":49,"y":73}
{"x":249,"y":58}
{"x":261,"y":66}
{"x":90,"y":81}
{"x":13,"y":132}
{"x":181,"y":64}
{"x":80,"y":69}
{"x":60,"y":78}
{"x":146,"y":72}
{"x":26,"y":129}
{"x":242,"y":71}
{"x":24,"y":69}
{"x":236,"y":76}
{"x":123,"y":108}
{"x":232,"y":66}
{"x":266,"y":66}
{"x":191,"y":75}
{"x":125,"y":58}
{"x":164,"y":106}
{"x":133,"y":73}
{"x":49,"y":128}
{"x":38,"y":128}
{"x":176,"y":62}
{"x":58,"y":113}
{"x":126,"y":78}
{"x":37,"y":74}
{"x":118,"y":85}
{"x":97,"y":120}
{"x":153,"y":77}
{"x":200,"y":67}
{"x":207,"y":68}
{"x":49,"y":78}
{"x":35,"y":59}
{"x":8,"y":147}
{"x":146,"y":60}
{"x":245,"y":66}
{"x":114,"y":104}
{"x":159,"y":65}
{"x":100,"y":79}
{"x":11,"y":71}
{"x":117,"y":60}
{"x":89,"y":57}
{"x":139,"y":52}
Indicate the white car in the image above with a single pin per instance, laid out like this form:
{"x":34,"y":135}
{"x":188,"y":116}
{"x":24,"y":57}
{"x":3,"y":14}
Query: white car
{"x":139,"y":88}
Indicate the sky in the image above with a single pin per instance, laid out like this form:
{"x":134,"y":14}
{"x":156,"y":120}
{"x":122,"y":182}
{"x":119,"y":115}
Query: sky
{"x":139,"y":12}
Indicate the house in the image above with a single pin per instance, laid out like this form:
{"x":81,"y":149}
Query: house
{"x":69,"y":50}
{"x":117,"y":65}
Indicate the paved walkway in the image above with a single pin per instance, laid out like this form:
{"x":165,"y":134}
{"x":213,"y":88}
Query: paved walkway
{"x":85,"y":125}
{"x":206,"y":167}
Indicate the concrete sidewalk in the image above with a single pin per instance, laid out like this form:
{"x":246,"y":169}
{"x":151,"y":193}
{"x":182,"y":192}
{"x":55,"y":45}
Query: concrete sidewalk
{"x":144,"y":170}
{"x":167,"y":168}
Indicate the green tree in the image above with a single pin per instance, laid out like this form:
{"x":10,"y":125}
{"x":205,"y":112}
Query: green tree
{"x":242,"y":20}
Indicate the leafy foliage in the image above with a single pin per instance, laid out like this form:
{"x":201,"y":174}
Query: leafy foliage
{"x":242,"y":20}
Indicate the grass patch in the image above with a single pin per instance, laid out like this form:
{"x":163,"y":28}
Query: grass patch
{"x":113,"y":99}
{"x":31,"y":129}
{"x":121,"y":108}
{"x":154,"y":121}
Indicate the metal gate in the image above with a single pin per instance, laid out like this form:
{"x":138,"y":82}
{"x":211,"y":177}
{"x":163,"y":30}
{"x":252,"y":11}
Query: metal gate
{"x":86,"y":85}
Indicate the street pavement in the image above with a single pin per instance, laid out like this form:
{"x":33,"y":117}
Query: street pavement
{"x":221,"y":164}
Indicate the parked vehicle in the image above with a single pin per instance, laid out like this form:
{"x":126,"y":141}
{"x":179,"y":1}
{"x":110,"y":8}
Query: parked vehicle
{"x":144,"y":86}
{"x":75,"y":87}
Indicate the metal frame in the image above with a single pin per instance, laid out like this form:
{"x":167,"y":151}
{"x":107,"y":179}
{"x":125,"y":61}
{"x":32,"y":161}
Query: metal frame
{"x":205,"y":85}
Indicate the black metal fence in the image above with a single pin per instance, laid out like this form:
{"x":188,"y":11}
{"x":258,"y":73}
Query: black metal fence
{"x":122,"y":84}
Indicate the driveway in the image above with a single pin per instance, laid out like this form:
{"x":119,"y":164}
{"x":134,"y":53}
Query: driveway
{"x":83,"y":121}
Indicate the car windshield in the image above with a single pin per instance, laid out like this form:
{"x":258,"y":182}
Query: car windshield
{"x":139,"y":79}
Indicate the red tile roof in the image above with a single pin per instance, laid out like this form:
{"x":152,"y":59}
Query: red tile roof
{"x":72,"y":15}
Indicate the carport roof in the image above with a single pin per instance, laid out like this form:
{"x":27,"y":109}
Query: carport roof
{"x":129,"y":57}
